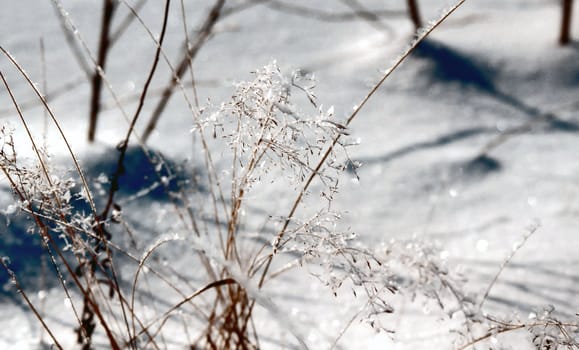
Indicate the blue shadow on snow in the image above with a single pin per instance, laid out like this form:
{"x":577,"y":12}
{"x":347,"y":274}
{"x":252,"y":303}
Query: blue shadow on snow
{"x":141,"y":179}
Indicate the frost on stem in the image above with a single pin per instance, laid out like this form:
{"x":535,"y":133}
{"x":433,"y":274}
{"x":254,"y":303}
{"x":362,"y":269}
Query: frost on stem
{"x":267,"y":132}
{"x":42,"y":192}
{"x":548,"y":332}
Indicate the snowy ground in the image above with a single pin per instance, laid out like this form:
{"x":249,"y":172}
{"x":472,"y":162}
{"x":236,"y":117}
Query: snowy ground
{"x":492,"y":67}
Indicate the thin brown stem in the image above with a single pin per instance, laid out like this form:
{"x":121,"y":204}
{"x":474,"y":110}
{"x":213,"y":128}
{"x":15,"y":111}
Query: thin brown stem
{"x":414,"y":14}
{"x":278,"y":240}
{"x":29,"y":303}
{"x":125,"y":143}
{"x":361,"y":12}
{"x":354,"y":114}
{"x":97,"y":81}
{"x":125,"y":23}
{"x":566,"y":12}
{"x":212,"y":285}
{"x":188,"y":56}
{"x":70,"y":40}
{"x":507,"y":261}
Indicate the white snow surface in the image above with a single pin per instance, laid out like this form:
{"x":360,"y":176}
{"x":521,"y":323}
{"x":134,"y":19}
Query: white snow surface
{"x":497,"y":67}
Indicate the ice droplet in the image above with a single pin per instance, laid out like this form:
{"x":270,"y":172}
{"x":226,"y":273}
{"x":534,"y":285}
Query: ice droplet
{"x":482,"y":245}
{"x":453,"y":192}
{"x":42,"y":294}
{"x":295,"y":311}
{"x":67,"y":303}
{"x":330,"y":111}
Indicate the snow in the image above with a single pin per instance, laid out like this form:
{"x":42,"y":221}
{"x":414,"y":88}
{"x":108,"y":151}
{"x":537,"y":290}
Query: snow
{"x":493,"y":66}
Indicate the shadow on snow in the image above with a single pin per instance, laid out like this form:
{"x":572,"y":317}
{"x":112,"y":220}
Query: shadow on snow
{"x":448,"y":66}
{"x":148,"y":178}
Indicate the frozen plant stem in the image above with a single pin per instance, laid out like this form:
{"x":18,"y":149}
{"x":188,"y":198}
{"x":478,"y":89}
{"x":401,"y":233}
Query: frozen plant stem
{"x":278,"y":240}
{"x":125,"y":23}
{"x":70,"y":41}
{"x":567,"y":9}
{"x":97,"y":80}
{"x":414,"y":14}
{"x":359,"y":11}
{"x":188,"y":56}
{"x":125,"y":143}
{"x":507,"y":261}
{"x":29,"y":303}
{"x":91,"y":307}
{"x":43,"y":228}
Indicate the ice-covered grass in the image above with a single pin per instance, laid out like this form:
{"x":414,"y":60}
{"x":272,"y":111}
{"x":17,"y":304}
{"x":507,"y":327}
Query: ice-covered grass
{"x":449,"y":201}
